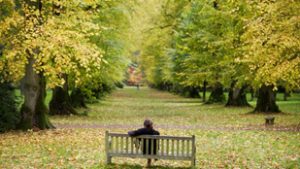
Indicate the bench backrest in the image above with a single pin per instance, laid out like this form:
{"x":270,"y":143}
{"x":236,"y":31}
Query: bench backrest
{"x":168,"y":147}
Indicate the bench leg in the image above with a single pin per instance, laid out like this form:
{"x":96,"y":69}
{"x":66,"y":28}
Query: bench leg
{"x":108,"y":159}
{"x":193,"y":163}
{"x":148,"y":162}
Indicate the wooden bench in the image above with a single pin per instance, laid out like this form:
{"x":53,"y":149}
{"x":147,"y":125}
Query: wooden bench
{"x":169,"y":147}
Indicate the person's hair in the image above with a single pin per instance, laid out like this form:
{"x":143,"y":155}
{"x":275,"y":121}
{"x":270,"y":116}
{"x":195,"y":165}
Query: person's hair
{"x":148,"y":123}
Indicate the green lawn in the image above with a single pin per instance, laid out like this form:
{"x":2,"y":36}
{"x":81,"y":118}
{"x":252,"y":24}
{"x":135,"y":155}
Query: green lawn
{"x":225,"y":137}
{"x":130,"y":106}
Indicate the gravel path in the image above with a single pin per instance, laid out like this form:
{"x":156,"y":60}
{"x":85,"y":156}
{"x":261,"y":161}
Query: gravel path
{"x":292,"y":128}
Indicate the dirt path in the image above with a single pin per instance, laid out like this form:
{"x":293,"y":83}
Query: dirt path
{"x":295,"y":128}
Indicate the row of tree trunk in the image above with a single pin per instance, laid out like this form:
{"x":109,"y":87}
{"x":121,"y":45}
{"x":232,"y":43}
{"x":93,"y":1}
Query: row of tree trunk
{"x":266,"y":98}
{"x":34,"y":111}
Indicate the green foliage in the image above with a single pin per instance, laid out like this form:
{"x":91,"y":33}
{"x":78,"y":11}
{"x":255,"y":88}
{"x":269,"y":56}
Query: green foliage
{"x":6,"y":8}
{"x":250,"y":43}
{"x":9,"y":116}
{"x":83,"y":39}
{"x":272,"y":43}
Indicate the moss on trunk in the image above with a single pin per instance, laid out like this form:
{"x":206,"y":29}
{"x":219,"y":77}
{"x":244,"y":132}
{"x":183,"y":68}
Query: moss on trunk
{"x":34,"y":111}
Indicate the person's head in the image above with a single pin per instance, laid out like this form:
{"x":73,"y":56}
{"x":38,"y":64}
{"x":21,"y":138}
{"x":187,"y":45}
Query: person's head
{"x":148,"y":123}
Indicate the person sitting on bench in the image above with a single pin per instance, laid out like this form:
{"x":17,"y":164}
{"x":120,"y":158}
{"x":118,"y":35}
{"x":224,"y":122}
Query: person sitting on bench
{"x":147,"y":130}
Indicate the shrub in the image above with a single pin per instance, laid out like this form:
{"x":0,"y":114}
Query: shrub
{"x":9,"y":115}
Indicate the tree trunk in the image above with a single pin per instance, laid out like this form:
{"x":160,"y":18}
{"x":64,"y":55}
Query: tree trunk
{"x":78,"y":98}
{"x":60,"y":103}
{"x":252,"y":93}
{"x":191,"y":92}
{"x":204,"y":90}
{"x":194,"y":92}
{"x":266,"y":100}
{"x":286,"y":94}
{"x":217,"y":94}
{"x":34,"y":111}
{"x":237,"y":96}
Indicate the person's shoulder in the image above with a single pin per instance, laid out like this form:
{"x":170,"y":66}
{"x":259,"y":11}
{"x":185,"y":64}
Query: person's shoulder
{"x":156,"y":132}
{"x":141,"y":129}
{"x":137,"y":132}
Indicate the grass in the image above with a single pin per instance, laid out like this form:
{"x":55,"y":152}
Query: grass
{"x":130,"y":106}
{"x":221,"y":136}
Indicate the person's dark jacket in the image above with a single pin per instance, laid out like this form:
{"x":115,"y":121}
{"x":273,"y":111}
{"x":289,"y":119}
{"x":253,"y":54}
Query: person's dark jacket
{"x":146,"y":131}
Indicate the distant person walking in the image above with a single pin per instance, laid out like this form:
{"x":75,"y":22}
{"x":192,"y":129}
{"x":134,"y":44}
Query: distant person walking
{"x":147,"y":130}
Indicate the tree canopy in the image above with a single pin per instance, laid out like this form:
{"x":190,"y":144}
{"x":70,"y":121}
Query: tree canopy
{"x":181,"y":46}
{"x":228,"y":43}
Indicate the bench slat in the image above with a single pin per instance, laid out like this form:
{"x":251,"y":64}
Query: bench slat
{"x":173,"y":148}
{"x":112,"y":144}
{"x":131,"y":145}
{"x":162,"y":147}
{"x":167,"y":147}
{"x":183,"y":148}
{"x":126,"y":145}
{"x":122,"y":145}
{"x":117,"y":144}
{"x":188,"y":148}
{"x":136,"y":146}
{"x":147,"y":145}
{"x":177,"y":147}
{"x":152,"y":147}
{"x":152,"y":136}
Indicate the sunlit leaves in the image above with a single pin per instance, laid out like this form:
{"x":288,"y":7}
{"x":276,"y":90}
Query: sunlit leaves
{"x":63,"y":38}
{"x":272,"y":43}
{"x":251,"y":42}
